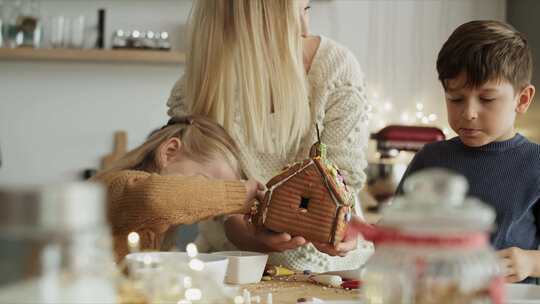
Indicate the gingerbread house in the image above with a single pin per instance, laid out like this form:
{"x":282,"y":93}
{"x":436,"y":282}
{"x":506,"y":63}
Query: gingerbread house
{"x":309,"y":199}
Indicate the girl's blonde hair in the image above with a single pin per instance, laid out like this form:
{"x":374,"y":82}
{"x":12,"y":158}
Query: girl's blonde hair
{"x":246,"y":56}
{"x":202,"y":140}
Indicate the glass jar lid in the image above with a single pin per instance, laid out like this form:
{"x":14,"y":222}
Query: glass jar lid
{"x":435,"y":202}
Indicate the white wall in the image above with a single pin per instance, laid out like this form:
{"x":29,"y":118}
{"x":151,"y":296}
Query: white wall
{"x":522,"y":15}
{"x":58,"y":118}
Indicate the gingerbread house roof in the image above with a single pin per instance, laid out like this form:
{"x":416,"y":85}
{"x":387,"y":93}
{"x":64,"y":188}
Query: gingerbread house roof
{"x":341,"y":197}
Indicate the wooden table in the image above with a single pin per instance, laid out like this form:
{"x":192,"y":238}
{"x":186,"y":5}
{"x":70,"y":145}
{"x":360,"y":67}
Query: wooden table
{"x":288,"y":290}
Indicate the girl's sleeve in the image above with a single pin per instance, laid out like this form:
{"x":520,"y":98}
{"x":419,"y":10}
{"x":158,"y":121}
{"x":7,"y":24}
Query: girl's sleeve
{"x":176,"y":102}
{"x":160,"y":201}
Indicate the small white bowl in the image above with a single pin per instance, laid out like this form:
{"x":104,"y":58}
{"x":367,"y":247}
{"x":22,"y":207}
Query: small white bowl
{"x":245,"y":267}
{"x":215,"y":267}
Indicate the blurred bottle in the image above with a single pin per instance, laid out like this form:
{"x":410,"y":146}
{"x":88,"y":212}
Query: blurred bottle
{"x":149,"y":41}
{"x":163,"y":42}
{"x":119,"y":39}
{"x":433,"y":246}
{"x":135,"y":40}
{"x":100,"y":41}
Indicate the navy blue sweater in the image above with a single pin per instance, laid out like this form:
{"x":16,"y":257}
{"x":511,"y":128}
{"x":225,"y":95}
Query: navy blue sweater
{"x":505,"y":175}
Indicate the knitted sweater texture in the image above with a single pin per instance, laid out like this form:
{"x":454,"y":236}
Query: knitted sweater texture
{"x":151,"y":204}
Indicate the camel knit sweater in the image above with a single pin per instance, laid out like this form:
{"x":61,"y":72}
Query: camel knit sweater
{"x":340,"y":108}
{"x":151,"y":204}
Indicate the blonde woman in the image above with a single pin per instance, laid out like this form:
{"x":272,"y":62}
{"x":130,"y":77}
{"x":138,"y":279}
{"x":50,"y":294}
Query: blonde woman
{"x":253,"y":67}
{"x":156,"y":187}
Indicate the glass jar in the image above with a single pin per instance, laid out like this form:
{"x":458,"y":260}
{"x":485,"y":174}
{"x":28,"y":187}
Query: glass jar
{"x":432,"y":246}
{"x":56,"y":245}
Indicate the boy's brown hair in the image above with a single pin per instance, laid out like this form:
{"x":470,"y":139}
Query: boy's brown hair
{"x":486,"y":50}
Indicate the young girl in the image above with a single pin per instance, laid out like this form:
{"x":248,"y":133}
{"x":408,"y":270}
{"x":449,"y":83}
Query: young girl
{"x":185,"y":172}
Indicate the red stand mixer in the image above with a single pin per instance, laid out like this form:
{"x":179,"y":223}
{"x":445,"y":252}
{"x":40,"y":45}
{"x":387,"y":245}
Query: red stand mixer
{"x":385,"y":174}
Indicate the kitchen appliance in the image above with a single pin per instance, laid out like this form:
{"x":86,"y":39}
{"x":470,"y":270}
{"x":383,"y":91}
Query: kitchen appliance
{"x":385,"y":173}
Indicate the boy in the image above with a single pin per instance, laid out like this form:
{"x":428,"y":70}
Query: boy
{"x":485,"y":68}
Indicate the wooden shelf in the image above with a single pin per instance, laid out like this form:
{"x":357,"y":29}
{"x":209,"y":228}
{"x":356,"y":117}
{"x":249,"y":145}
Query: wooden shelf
{"x":92,"y":55}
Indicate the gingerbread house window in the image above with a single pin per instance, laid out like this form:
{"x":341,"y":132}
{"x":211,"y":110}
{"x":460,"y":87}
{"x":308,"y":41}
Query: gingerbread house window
{"x":304,"y":202}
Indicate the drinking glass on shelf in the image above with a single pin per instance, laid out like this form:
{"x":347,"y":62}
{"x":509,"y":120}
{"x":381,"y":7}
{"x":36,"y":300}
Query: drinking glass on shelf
{"x":13,"y":35}
{"x":1,"y":30}
{"x":77,"y":32}
{"x":1,"y":27}
{"x":57,"y":31}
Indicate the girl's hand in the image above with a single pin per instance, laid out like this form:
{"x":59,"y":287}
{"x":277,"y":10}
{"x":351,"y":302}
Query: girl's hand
{"x":254,"y":191}
{"x":518,"y":264}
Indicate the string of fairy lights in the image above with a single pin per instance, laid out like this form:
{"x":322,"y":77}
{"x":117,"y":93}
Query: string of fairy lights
{"x":384,"y":112}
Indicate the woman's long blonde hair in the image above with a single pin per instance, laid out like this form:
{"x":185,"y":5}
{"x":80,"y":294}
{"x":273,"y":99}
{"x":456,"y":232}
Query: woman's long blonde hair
{"x":246,"y":56}
{"x":202,"y":140}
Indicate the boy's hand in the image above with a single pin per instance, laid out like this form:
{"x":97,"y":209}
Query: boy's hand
{"x":518,"y":264}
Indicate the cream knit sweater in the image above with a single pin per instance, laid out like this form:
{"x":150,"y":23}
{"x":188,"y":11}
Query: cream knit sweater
{"x":340,"y":108}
